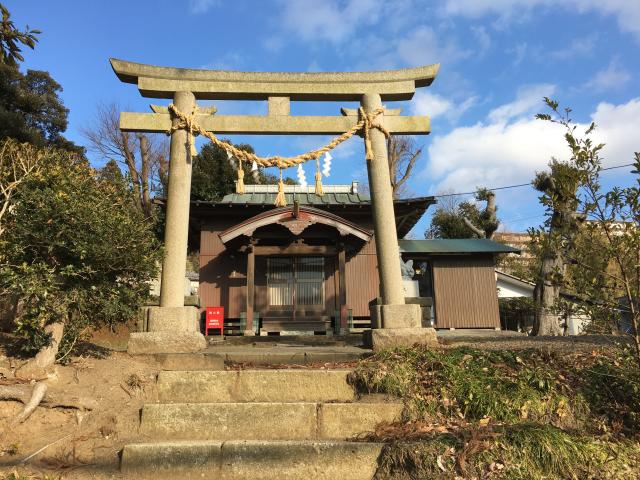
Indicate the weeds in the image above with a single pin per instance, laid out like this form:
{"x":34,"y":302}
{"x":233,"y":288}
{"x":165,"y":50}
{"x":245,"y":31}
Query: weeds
{"x":507,"y":415}
{"x":612,"y":386}
{"x":472,"y":384}
{"x":517,"y":452}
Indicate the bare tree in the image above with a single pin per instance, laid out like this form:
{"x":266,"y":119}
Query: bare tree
{"x":17,"y":162}
{"x":143,"y":157}
{"x":487,"y":221}
{"x":402,"y":155}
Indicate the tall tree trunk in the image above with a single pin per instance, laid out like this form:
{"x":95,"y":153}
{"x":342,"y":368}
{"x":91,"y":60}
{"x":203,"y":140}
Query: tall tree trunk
{"x":546,"y":295}
{"x":145,"y":170}
{"x":130,"y":160}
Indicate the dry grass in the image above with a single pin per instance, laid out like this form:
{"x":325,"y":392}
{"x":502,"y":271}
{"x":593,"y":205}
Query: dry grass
{"x":507,"y":414}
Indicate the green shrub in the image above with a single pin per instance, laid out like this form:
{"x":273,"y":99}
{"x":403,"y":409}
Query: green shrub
{"x":75,"y":251}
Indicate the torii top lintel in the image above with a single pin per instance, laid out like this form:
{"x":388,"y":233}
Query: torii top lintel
{"x":163,"y":82}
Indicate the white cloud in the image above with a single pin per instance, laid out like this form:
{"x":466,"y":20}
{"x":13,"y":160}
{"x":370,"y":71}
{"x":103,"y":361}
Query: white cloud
{"x":423,"y":46}
{"x":579,"y":47}
{"x":483,"y":39}
{"x":528,"y":100}
{"x":498,"y":152}
{"x":426,"y":103}
{"x":202,"y":6}
{"x":618,"y":127}
{"x":626,"y":12}
{"x":432,"y":104}
{"x":610,"y":78}
{"x":492,"y":154}
{"x":328,"y":20}
{"x":520,"y":52}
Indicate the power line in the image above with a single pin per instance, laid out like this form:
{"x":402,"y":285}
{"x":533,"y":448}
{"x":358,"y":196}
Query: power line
{"x":516,"y":186}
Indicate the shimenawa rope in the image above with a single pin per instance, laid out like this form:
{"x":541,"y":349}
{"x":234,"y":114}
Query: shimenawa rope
{"x":365,"y":124}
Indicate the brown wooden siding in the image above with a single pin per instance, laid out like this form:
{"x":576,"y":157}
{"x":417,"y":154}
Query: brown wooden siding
{"x":363,"y":284}
{"x":223,"y":276}
{"x":465,"y":292}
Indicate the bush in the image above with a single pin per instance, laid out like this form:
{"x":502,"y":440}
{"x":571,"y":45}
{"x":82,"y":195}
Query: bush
{"x":75,"y":251}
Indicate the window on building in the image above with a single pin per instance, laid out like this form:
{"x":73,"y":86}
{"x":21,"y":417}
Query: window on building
{"x":294,"y":281}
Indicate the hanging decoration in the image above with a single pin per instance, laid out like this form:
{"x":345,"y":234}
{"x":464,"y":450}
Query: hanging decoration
{"x":364,"y":125}
{"x":255,"y":171}
{"x":232,"y":162}
{"x":240,"y":182}
{"x":281,"y":200}
{"x":319,"y":191}
{"x":326,"y":168}
{"x":302,"y":178}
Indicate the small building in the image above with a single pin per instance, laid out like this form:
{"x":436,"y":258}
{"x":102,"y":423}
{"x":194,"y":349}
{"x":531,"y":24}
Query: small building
{"x":312,"y":266}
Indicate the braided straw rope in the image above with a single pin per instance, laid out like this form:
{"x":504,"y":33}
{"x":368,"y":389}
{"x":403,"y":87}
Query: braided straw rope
{"x":365,"y":124}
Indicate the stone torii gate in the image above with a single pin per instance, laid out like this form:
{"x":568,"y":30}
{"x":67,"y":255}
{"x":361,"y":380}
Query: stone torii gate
{"x":173,"y":327}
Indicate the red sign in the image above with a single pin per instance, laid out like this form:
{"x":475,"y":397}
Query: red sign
{"x":214,"y":318}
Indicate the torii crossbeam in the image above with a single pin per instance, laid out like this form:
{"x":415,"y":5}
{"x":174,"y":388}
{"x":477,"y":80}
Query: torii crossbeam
{"x":399,"y":323}
{"x":278,"y":89}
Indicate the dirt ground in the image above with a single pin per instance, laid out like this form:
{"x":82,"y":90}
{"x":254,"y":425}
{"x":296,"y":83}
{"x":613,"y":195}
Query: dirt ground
{"x":82,"y":445}
{"x":86,"y":445}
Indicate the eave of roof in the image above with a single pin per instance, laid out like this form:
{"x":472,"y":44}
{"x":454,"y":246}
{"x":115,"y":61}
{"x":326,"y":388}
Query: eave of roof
{"x":407,"y":211}
{"x":452,"y":246}
{"x":510,"y":279}
{"x":285,"y":214}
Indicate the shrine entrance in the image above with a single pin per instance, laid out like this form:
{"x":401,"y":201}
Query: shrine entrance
{"x":173,"y":327}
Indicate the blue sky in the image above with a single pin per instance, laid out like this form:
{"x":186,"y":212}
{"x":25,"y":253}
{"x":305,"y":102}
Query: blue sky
{"x":498,"y":59}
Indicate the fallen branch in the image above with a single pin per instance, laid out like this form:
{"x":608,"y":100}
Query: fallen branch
{"x":40,"y":450}
{"x":23,"y":394}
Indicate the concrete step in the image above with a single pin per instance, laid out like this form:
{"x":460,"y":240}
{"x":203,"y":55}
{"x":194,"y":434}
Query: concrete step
{"x":255,"y":386}
{"x":264,"y":421}
{"x":255,"y":460}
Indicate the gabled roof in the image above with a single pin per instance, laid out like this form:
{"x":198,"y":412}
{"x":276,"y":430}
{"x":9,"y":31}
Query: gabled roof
{"x":296,"y":220}
{"x":457,"y":245}
{"x":407,"y":211}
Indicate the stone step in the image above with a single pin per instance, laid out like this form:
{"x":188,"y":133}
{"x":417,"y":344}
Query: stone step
{"x":255,"y":386}
{"x":264,"y":421}
{"x":255,"y":460}
{"x":189,"y":361}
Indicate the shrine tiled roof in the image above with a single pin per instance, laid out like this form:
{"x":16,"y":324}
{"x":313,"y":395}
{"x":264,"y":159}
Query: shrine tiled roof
{"x":311,"y":199}
{"x":457,"y":245}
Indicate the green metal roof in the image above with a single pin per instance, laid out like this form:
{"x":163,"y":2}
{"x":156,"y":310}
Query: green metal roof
{"x":458,"y":245}
{"x":302,"y":198}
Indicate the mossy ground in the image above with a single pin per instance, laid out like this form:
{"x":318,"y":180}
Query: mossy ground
{"x":508,"y":415}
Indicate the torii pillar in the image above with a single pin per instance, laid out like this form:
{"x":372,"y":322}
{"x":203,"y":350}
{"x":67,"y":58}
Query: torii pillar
{"x":174,"y":327}
{"x":399,"y":324}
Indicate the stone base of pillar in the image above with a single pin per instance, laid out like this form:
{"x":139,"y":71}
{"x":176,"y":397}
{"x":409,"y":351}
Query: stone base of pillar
{"x":173,"y":319}
{"x":401,"y":316}
{"x":382,"y":338}
{"x":144,"y":343}
{"x":248,"y":333}
{"x":170,"y":330}
{"x":397,"y":326}
{"x":376,"y":316}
